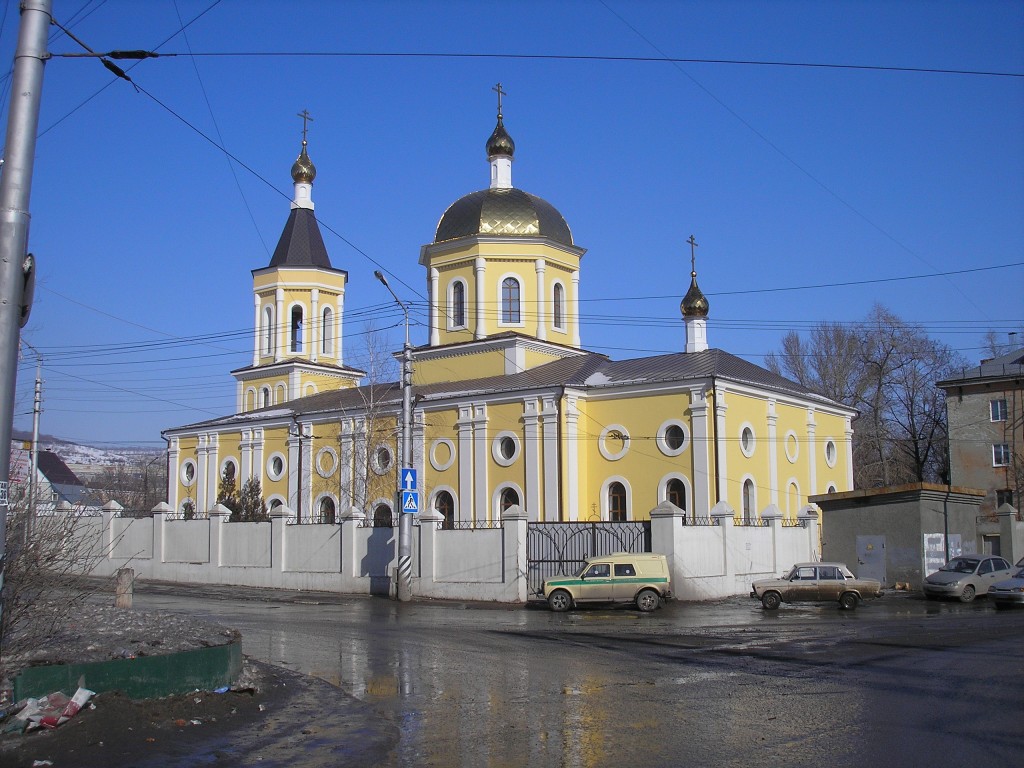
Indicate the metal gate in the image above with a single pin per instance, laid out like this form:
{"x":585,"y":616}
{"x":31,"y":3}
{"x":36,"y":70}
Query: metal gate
{"x":561,"y":548}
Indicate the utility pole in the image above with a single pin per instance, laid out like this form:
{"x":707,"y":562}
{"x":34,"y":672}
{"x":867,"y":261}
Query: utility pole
{"x":404,"y":586}
{"x":30,"y":517}
{"x":15,"y":191}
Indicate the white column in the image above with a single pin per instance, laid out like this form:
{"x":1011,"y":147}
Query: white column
{"x":575,"y":310}
{"x":258,"y":465}
{"x":359,"y":486}
{"x":282,"y":324}
{"x":721,"y":468}
{"x":257,"y":334}
{"x":531,"y":458}
{"x":479,"y":297}
{"x":213,"y":471}
{"x":464,"y":425}
{"x":202,"y":471}
{"x":339,"y":321}
{"x":848,"y":433}
{"x":481,"y":495}
{"x":245,"y":471}
{"x":701,"y":449}
{"x":173,"y":473}
{"x":541,"y":268}
{"x":549,"y":422}
{"x":313,"y":325}
{"x":345,"y":456}
{"x":572,"y":460}
{"x":293,"y":472}
{"x":812,"y":453}
{"x":435,"y":330}
{"x":773,"y":453}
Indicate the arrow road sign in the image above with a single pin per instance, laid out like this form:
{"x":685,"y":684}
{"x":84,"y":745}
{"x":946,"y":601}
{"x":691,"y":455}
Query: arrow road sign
{"x":408,"y":479}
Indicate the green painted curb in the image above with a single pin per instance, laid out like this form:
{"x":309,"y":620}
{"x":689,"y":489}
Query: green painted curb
{"x":144,"y":677}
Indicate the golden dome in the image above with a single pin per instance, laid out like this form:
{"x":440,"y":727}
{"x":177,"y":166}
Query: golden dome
{"x":303,"y":171}
{"x":694,"y":303}
{"x":500,"y":142}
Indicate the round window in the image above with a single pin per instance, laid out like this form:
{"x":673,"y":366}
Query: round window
{"x":505,"y":448}
{"x":614,"y":442}
{"x":188,"y":472}
{"x":673,"y":437}
{"x":275,"y":466}
{"x":382,"y":459}
{"x":830,"y":453}
{"x":442,"y":454}
{"x":747,"y":441}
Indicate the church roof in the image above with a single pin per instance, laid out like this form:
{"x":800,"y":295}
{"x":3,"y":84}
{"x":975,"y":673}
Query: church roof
{"x":301,"y":244}
{"x":588,"y":371}
{"x":498,"y":211}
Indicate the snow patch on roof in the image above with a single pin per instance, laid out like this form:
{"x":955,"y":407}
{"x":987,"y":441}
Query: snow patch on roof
{"x":597,"y":379}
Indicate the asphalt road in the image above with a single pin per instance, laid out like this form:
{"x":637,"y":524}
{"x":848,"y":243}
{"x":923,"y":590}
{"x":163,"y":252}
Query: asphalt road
{"x":899,"y":681}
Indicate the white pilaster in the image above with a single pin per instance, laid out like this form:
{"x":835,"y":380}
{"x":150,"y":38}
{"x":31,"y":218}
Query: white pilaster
{"x":339,"y":322}
{"x":575,"y":310}
{"x":848,"y":433}
{"x":721,"y":454}
{"x":256,"y":336}
{"x":464,"y":425}
{"x":282,"y":324}
{"x":531,"y":458}
{"x":173,"y":452}
{"x":245,"y":446}
{"x":479,"y":273}
{"x":540,"y":267}
{"x":812,"y":453}
{"x":549,"y":422}
{"x":259,"y":467}
{"x":700,"y":448}
{"x":345,"y":460}
{"x":572,"y":459}
{"x":435,"y":329}
{"x":480,"y":463}
{"x":314,"y":325}
{"x":773,"y":453}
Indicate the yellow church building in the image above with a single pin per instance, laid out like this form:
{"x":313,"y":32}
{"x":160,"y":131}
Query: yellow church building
{"x":509,"y":408}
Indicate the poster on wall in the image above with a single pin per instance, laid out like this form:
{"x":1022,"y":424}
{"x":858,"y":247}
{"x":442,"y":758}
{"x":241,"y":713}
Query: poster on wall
{"x":935,"y":550}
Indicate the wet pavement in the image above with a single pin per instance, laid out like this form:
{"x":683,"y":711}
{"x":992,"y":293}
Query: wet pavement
{"x":898,"y":681}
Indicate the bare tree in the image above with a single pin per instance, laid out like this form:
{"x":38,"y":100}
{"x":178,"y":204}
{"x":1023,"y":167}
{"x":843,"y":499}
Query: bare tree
{"x":887,"y":370}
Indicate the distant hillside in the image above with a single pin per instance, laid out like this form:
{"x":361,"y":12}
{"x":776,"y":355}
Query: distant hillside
{"x":87,"y":460}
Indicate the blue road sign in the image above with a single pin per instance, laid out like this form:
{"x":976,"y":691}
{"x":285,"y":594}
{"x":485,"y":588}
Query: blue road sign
{"x":410,"y":502}
{"x":408,"y":479}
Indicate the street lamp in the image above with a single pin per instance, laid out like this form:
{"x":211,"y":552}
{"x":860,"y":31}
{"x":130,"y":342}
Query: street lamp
{"x":404,"y":586}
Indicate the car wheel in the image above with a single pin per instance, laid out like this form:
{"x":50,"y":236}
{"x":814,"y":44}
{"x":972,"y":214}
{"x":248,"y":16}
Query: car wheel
{"x":771,"y":600}
{"x":968,"y":594}
{"x":560,"y":601}
{"x":848,"y":600}
{"x":648,"y":600}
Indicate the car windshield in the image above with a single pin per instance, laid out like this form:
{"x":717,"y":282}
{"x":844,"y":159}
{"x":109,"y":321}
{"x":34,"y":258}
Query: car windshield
{"x":1018,"y":574}
{"x":960,"y":565}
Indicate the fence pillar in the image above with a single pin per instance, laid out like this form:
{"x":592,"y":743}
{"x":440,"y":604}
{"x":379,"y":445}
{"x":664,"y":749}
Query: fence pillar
{"x":513,"y":528}
{"x":773,"y":516}
{"x":218,"y":516}
{"x":1011,"y":533}
{"x":350,"y":522}
{"x":724,"y":516}
{"x":667,"y":539}
{"x":279,"y":516}
{"x":160,"y":512}
{"x":808,"y":515}
{"x":428,"y":549}
{"x":109,"y":511}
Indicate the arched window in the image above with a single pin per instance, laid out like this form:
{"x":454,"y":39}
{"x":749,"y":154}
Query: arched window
{"x":675,"y":492}
{"x":617,"y":502}
{"x":748,"y":501}
{"x":327,"y":510}
{"x":327,"y":332}
{"x":296,"y":329}
{"x":509,"y":498}
{"x":267,"y":331}
{"x":444,"y":505}
{"x":458,"y":307}
{"x":558,"y":313}
{"x":510,"y":301}
{"x":382,"y":516}
{"x":265,"y":397}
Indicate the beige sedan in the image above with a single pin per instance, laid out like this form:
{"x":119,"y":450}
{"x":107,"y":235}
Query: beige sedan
{"x":815,"y":582}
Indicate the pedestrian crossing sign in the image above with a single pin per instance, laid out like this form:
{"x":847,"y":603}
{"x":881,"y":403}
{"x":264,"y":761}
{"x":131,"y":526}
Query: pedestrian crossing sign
{"x":410,"y":502}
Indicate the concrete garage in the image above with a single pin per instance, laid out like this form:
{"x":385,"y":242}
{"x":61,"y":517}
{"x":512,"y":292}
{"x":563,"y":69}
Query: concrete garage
{"x":897,"y":534}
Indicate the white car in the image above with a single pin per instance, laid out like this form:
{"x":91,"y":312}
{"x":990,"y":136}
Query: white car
{"x":1009,"y":592}
{"x":966,"y":576}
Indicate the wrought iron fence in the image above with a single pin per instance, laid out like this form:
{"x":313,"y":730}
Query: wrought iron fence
{"x":757,"y":522}
{"x":469,"y":525}
{"x":794,"y":522}
{"x":700,"y":520}
{"x":562,"y":548}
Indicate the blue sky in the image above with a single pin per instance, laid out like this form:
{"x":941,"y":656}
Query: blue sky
{"x":146,"y":234}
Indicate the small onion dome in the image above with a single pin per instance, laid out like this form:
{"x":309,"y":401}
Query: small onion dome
{"x":303,"y":172}
{"x":500,"y":142}
{"x":694,"y":303}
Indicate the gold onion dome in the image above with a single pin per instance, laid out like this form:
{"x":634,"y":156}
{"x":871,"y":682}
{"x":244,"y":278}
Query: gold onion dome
{"x":303,"y":171}
{"x":500,"y":142}
{"x":694,"y":303}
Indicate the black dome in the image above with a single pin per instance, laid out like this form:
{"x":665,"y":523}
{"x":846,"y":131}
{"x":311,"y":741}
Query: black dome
{"x":502,"y":212}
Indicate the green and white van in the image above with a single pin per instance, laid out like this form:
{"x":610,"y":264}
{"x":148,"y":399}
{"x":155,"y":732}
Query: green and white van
{"x":624,"y":577}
